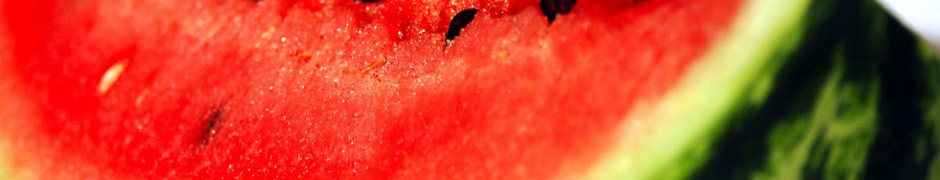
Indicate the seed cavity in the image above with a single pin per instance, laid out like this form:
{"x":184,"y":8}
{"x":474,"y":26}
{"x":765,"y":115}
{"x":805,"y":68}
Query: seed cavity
{"x":457,"y":23}
{"x":213,"y":124}
{"x":110,"y":76}
{"x":373,"y":65}
{"x":553,"y":8}
{"x":140,"y":97}
{"x":302,"y":56}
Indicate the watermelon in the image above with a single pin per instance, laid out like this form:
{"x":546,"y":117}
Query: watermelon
{"x":553,"y":89}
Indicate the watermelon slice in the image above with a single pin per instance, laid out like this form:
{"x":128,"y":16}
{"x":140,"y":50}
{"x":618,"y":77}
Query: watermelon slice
{"x":457,"y":90}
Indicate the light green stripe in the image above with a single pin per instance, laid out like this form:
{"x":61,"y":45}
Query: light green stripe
{"x":835,"y":136}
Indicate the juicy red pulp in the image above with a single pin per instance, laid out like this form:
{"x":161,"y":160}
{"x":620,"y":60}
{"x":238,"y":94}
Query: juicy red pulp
{"x":341,"y":89}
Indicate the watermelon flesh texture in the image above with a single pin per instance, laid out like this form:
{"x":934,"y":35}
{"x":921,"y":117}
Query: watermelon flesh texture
{"x":340,"y":89}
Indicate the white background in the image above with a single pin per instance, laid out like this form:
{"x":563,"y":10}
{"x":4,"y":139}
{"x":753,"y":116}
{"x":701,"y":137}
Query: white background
{"x":922,"y":16}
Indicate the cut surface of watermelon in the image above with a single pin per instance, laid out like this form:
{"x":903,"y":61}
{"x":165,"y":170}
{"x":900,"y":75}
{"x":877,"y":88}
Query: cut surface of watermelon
{"x":464,"y":90}
{"x":339,"y":89}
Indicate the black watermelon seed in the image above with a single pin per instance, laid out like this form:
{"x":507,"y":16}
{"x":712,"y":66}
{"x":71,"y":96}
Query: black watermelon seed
{"x":369,"y":1}
{"x":459,"y":22}
{"x":213,"y":123}
{"x":552,"y":8}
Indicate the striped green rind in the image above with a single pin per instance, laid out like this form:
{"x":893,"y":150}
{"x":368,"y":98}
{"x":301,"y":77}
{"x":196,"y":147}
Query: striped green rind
{"x":831,"y":89}
{"x":854,"y":101}
{"x":931,"y":64}
{"x":834,"y":136}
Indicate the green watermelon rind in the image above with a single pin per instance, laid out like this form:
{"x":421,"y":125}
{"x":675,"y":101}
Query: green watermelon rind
{"x":844,"y":116}
{"x":832,"y":134}
{"x":738,"y":71}
{"x":931,"y":61}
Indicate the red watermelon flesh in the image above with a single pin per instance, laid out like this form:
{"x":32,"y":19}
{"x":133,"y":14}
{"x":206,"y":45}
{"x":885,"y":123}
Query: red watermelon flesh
{"x":344,"y":89}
